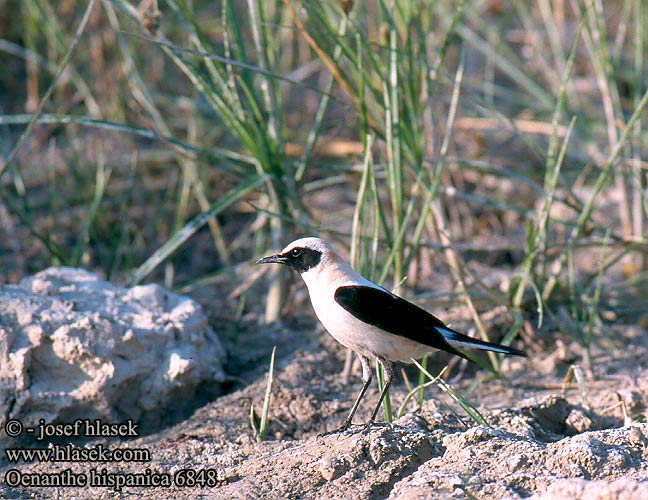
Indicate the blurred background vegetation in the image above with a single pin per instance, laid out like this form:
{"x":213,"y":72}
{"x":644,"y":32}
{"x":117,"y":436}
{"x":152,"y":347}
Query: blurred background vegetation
{"x":177,"y":140}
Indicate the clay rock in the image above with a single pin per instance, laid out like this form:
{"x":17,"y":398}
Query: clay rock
{"x":75,"y":346}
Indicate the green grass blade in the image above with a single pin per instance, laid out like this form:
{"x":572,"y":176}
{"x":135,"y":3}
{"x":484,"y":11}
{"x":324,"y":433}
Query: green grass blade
{"x":4,"y":162}
{"x":386,"y":403}
{"x":101,"y":182}
{"x":207,"y":154}
{"x":265,"y":412}
{"x":466,"y":405}
{"x":162,"y":253}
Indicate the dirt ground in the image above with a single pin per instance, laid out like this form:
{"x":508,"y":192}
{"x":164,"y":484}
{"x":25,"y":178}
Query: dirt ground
{"x":545,"y":439}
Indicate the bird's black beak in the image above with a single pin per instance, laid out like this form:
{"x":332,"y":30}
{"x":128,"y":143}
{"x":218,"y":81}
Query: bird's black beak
{"x":272,"y":259}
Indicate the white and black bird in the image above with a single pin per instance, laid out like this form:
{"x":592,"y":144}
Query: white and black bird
{"x":368,"y":319}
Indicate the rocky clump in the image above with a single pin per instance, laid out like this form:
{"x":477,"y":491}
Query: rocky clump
{"x":73,"y":345}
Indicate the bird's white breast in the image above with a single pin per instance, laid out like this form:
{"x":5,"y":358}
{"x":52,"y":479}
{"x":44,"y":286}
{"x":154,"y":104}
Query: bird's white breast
{"x":351,"y":332}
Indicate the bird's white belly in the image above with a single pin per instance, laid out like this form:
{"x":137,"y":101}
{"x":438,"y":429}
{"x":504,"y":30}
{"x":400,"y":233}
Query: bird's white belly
{"x":361,"y":337}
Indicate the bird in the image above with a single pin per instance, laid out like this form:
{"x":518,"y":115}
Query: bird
{"x":368,"y":319}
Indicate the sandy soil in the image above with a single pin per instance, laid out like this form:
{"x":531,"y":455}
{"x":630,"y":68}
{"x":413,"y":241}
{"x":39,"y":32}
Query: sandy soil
{"x":545,"y":440}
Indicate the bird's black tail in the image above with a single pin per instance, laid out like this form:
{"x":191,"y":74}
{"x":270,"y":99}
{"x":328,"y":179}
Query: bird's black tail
{"x":459,"y":339}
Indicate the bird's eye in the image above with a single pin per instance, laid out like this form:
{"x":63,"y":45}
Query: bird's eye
{"x":296,"y":252}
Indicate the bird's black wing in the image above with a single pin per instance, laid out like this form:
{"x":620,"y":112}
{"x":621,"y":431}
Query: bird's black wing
{"x":395,"y":315}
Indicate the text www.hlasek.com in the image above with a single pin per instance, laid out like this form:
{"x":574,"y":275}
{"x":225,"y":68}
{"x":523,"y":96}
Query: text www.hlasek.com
{"x":71,"y":453}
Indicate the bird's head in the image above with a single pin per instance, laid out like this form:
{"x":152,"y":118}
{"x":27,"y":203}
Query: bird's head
{"x":301,"y":255}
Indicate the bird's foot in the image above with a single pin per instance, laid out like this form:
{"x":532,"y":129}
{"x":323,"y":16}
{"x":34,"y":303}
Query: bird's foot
{"x":345,"y":426}
{"x":363,"y":429}
{"x":366,"y":428}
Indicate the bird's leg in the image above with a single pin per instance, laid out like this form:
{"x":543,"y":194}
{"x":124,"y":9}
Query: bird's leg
{"x":388,"y":373}
{"x":348,"y":366}
{"x":366,"y":380}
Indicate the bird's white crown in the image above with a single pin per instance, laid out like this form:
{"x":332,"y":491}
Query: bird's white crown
{"x":309,"y":242}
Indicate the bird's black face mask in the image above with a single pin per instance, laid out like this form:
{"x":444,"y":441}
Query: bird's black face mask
{"x":300,"y":259}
